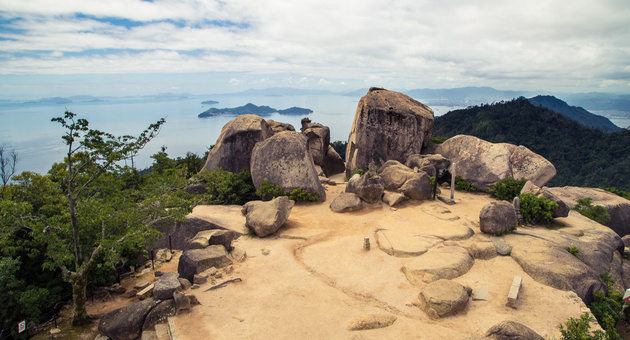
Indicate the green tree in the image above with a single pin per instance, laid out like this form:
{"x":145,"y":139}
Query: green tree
{"x":102,"y":215}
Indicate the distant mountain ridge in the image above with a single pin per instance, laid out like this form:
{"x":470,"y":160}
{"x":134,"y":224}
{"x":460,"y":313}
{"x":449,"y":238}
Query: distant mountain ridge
{"x":583,"y":156}
{"x":575,"y":112}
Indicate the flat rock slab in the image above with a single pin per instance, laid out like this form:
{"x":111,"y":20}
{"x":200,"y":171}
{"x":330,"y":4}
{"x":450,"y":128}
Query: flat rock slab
{"x":404,"y":243}
{"x":126,"y":323}
{"x":512,"y":330}
{"x":370,"y":321}
{"x":447,"y":262}
{"x":301,"y":233}
{"x":450,"y":228}
{"x":480,"y":293}
{"x":221,"y":216}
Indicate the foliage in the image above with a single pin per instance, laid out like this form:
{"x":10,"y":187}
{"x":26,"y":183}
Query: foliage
{"x":582,"y":156}
{"x":461,"y":184}
{"x":574,"y":251}
{"x":340,"y":147}
{"x":507,"y":231}
{"x":624,"y":194}
{"x":225,"y":187}
{"x":269,"y":190}
{"x":507,"y":188}
{"x":190,"y":164}
{"x":437,"y":139}
{"x":536,"y":209}
{"x":607,"y":306}
{"x":299,"y":195}
{"x":579,"y":329}
{"x":358,"y":171}
{"x":596,"y":213}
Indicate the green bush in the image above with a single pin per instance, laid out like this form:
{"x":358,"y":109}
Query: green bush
{"x":358,"y":171}
{"x":624,"y":194}
{"x":579,"y":329}
{"x":437,"y":139}
{"x":596,"y":213}
{"x":507,"y":188}
{"x":607,"y":307}
{"x":225,"y":187}
{"x":461,"y":184}
{"x":536,"y":209}
{"x":299,"y":195}
{"x":574,"y":251}
{"x":269,"y":190}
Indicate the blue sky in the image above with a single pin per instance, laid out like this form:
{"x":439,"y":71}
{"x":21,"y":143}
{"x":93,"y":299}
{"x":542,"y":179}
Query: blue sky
{"x":134,"y":47}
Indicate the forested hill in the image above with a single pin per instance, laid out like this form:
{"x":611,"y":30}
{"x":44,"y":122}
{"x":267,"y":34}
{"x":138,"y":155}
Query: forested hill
{"x":583,"y":156}
{"x":575,"y":113}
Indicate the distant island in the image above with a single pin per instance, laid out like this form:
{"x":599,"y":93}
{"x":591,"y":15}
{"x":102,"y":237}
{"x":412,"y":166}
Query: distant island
{"x":209,"y":102}
{"x":253,"y":109}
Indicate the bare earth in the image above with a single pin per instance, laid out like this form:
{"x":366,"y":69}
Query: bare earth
{"x":316,"y":278}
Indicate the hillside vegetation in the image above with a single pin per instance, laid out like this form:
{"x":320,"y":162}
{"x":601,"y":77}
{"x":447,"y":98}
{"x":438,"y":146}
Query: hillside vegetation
{"x":583,"y":156}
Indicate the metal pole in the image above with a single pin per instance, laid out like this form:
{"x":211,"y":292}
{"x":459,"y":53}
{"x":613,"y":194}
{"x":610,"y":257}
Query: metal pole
{"x":453,"y":175}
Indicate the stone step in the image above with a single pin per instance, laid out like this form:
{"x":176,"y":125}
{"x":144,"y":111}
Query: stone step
{"x":162,"y":331}
{"x":172,"y":327}
{"x":514,"y":289}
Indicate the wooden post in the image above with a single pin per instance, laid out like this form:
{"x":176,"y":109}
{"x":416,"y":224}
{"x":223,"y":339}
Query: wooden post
{"x":453,"y":175}
{"x":366,"y":243}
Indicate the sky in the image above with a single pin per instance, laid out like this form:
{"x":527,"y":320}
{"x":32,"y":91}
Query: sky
{"x":135,"y":47}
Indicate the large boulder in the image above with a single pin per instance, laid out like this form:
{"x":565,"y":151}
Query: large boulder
{"x":233,"y":149}
{"x":387,"y":125}
{"x":368,"y":187}
{"x":617,"y":206}
{"x":126,"y":323}
{"x":318,"y":139}
{"x":277,"y":127}
{"x":497,"y":218}
{"x":428,"y":163}
{"x":284,"y":159}
{"x":265,"y":218}
{"x":483,"y":163}
{"x":159,"y":314}
{"x":195,"y":261}
{"x":333,"y":164}
{"x":397,"y":177}
{"x":508,"y":330}
{"x":166,"y":285}
{"x":443,"y":297}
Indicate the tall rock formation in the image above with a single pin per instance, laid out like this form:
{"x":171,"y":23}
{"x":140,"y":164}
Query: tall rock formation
{"x":233,"y":149}
{"x":387,"y":125}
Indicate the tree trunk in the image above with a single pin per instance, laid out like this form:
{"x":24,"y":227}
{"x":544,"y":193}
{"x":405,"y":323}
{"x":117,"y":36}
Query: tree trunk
{"x":79,"y":284}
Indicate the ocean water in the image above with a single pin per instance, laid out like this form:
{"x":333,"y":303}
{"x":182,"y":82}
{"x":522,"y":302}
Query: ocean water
{"x":29,"y":129}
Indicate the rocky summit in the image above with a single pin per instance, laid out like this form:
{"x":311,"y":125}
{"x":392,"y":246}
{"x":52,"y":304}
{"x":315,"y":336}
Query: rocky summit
{"x":377,"y":256}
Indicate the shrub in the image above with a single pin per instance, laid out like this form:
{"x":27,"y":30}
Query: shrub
{"x":574,"y":251}
{"x":437,"y":139}
{"x":225,"y":187}
{"x":269,"y":190}
{"x":461,"y":184}
{"x":507,"y":188}
{"x":596,"y":213}
{"x":579,"y":329}
{"x":536,"y":209}
{"x":358,"y":171}
{"x":607,"y":307}
{"x":300,"y":194}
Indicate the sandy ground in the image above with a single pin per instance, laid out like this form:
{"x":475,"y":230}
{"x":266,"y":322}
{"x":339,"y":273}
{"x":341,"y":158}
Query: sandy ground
{"x":316,"y":278}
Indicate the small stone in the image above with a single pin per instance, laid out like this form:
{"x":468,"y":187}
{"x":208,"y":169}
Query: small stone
{"x":209,"y":272}
{"x":239,"y":254}
{"x":265,"y":251}
{"x":370,"y":321}
{"x":158,"y":273}
{"x":185,"y":283}
{"x":193,"y":299}
{"x":218,"y":275}
{"x":195,"y":286}
{"x":130,"y":293}
{"x":55,"y":331}
{"x":228,"y":270}
{"x":141,"y":285}
{"x":118,"y":289}
{"x":145,"y":271}
{"x":200,"y":279}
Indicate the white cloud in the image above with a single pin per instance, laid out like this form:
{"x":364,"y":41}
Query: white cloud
{"x":539,"y":43}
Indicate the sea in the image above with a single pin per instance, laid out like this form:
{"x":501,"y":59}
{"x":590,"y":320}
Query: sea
{"x":27,"y":127}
